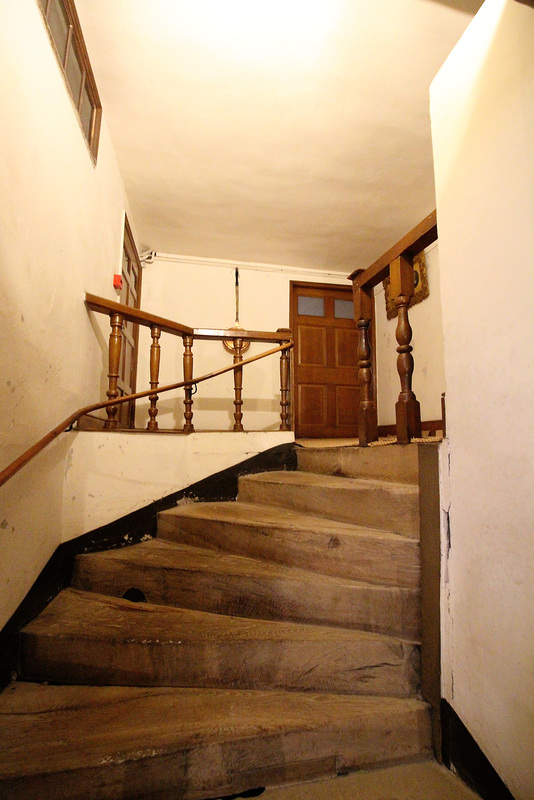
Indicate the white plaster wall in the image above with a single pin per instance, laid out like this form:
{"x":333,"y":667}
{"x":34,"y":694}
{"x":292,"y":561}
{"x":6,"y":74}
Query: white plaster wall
{"x":61,"y":223}
{"x":482,"y":107}
{"x":108,"y":475}
{"x":200,"y":293}
{"x":427,"y":343}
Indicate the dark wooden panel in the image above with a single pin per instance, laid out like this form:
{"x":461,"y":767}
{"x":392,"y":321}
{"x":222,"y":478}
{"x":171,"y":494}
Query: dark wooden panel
{"x":347,"y":404}
{"x":312,"y":404}
{"x":346,"y":348}
{"x":311,"y":345}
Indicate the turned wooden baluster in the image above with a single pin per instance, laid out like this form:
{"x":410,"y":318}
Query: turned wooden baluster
{"x":367,"y":415}
{"x":154,"y":377}
{"x":115,"y":343}
{"x":238,"y":385}
{"x":284,"y":386}
{"x":188,"y":390}
{"x":407,"y":409}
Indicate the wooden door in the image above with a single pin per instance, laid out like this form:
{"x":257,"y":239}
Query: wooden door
{"x":326,"y":393}
{"x":130,"y":296}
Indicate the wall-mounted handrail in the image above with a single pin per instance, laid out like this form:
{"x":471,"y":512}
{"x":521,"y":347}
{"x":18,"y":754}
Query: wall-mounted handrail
{"x":67,"y":423}
{"x":397,"y":263}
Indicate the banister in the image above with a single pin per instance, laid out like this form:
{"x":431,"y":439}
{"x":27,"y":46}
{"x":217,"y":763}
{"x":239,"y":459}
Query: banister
{"x":416,"y":240}
{"x":397,"y":264}
{"x":67,"y":423}
{"x":103,"y":306}
{"x":135,"y":315}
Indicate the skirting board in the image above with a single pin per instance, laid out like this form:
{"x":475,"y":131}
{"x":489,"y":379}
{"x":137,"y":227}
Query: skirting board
{"x":462,"y":755}
{"x":123,"y":532}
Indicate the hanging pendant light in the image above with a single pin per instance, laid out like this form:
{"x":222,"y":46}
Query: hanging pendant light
{"x":229,"y":344}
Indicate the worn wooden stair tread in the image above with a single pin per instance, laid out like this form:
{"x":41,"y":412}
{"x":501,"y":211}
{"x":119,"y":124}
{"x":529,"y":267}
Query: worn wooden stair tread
{"x":398,"y":464}
{"x":191,"y":577}
{"x":378,"y":504}
{"x":106,"y":743}
{"x":82,"y":637}
{"x":294,"y":538}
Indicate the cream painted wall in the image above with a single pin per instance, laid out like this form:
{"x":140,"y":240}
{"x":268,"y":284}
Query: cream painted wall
{"x":200,"y":293}
{"x":104,"y":481}
{"x":427,"y":343}
{"x":482,"y":106}
{"x":61,"y":223}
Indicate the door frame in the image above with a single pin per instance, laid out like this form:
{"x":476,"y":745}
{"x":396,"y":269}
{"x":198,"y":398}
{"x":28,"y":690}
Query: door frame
{"x":293,"y":287}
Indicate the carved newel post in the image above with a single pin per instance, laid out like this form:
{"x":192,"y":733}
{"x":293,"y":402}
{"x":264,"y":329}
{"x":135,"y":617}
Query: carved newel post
{"x":407,"y":409}
{"x":367,"y":416}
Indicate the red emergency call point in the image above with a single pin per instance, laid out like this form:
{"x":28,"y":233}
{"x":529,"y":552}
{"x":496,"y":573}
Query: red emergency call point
{"x":117,"y":281}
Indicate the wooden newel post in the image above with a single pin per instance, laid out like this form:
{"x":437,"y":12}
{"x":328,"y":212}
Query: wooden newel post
{"x":115,"y":342}
{"x":154,"y":377}
{"x":188,"y":390}
{"x":367,"y":416}
{"x":407,"y":409}
{"x":284,"y":386}
{"x":238,"y":385}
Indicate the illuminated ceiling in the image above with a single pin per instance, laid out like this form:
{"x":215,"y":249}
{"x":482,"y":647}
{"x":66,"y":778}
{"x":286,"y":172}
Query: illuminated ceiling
{"x":289,"y":132}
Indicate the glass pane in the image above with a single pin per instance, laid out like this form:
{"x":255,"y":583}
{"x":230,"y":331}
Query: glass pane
{"x":59,"y":27}
{"x":86,"y":114}
{"x":311,"y":306}
{"x":343,"y":309}
{"x":74,"y":74}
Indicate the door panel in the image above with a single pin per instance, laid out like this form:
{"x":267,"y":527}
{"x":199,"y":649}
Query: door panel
{"x":326,"y":370}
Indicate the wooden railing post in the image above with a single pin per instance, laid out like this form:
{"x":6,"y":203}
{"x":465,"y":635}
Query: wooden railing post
{"x":367,"y":416}
{"x":407,"y":409}
{"x":115,"y":343}
{"x":188,"y":390}
{"x":284,"y":386}
{"x":154,"y":377}
{"x":238,"y":385}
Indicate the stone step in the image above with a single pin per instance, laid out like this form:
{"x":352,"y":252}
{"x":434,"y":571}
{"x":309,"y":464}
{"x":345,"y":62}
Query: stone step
{"x":397,"y":463}
{"x":301,"y":540}
{"x":106,"y":743}
{"x":190,"y":577}
{"x":85,"y":638}
{"x":377,"y":504}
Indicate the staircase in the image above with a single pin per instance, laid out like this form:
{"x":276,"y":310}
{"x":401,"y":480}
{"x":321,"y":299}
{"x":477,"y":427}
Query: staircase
{"x":279,"y":642}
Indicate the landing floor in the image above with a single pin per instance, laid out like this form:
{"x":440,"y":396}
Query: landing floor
{"x":425,"y":781}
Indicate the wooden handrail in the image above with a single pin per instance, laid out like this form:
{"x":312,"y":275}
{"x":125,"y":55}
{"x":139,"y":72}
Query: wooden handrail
{"x":67,"y":423}
{"x":419,"y":237}
{"x":135,"y":315}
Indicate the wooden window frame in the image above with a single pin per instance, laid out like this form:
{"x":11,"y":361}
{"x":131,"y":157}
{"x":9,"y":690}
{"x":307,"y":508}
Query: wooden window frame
{"x":75,"y":40}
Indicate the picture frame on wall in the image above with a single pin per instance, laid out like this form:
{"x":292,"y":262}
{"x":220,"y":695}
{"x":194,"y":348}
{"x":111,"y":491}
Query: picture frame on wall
{"x":421,"y":290}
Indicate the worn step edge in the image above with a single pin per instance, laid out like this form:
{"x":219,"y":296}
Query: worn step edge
{"x":94,"y":639}
{"x":289,"y":537}
{"x":190,"y":577}
{"x":379,"y":504}
{"x":397,"y":464}
{"x":106,"y":743}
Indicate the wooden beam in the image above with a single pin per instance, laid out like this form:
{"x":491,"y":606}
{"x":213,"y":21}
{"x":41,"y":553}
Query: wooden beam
{"x":416,"y":240}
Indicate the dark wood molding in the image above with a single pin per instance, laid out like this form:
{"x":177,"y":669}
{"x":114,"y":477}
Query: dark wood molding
{"x":124,"y":532}
{"x":430,"y":426}
{"x":462,"y":754}
{"x":527,"y":2}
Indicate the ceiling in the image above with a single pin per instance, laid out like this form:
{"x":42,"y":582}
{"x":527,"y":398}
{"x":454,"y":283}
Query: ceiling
{"x":291,"y":132}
